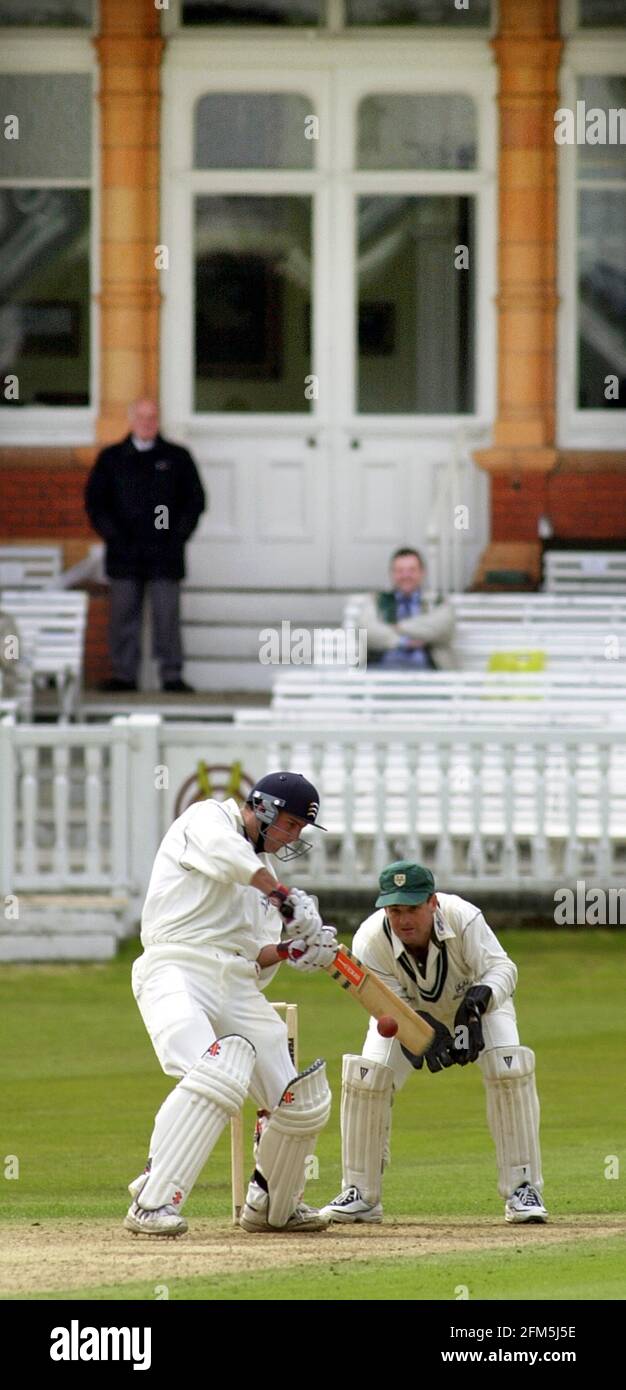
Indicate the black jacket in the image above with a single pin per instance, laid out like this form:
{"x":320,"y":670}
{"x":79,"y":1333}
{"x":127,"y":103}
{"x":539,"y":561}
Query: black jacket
{"x":125,"y":488}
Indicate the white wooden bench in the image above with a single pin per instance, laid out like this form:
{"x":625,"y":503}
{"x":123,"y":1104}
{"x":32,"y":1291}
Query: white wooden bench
{"x":589,"y":571}
{"x":51,"y":629}
{"x":29,"y":566}
{"x":341,"y":699}
{"x":556,"y":632}
{"x":539,"y":609}
{"x":555,"y":648}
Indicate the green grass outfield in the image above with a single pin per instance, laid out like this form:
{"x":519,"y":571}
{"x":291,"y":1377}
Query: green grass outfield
{"x":81,"y":1084}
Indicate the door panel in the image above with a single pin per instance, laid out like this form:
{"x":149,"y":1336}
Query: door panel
{"x":383,"y":490}
{"x":265,"y":523}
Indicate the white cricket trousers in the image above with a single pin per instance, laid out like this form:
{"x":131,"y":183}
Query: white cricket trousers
{"x":188,"y":998}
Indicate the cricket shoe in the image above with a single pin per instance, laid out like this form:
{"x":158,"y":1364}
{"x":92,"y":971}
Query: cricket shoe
{"x":525,"y":1205}
{"x":254,"y":1215}
{"x":163,"y":1221}
{"x":350,"y":1206}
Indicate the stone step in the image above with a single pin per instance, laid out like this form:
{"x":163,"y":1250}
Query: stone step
{"x":222,"y":674}
{"x":65,"y":926}
{"x":266,"y":606}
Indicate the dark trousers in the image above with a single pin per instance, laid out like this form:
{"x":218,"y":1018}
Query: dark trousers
{"x":127,"y":597}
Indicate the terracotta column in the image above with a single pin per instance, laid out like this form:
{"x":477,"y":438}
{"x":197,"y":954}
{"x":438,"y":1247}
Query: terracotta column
{"x":129,"y":51}
{"x":528,"y":50}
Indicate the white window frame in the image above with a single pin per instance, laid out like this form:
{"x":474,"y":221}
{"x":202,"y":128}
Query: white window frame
{"x":48,"y":51}
{"x":571,"y":25}
{"x":576,"y":428}
{"x":171,"y":23}
{"x":478,"y":183}
{"x":177,"y":283}
{"x":192,"y":68}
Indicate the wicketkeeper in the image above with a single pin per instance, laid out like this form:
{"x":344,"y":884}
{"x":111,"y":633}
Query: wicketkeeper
{"x":436,"y":951}
{"x":209,"y":929}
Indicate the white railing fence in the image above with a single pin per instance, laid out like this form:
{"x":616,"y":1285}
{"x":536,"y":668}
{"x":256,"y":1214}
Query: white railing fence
{"x":65,"y":807}
{"x":85,"y":806}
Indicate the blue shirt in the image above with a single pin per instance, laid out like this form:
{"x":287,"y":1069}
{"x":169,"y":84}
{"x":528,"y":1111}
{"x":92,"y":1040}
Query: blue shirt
{"x":402,"y":656}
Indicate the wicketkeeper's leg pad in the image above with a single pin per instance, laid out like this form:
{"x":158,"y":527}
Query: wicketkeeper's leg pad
{"x":366,"y":1096}
{"x":513,"y":1115}
{"x":192,"y":1118}
{"x":287,"y":1140}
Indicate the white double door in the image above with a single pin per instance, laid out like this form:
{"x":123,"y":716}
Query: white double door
{"x":317,"y":496}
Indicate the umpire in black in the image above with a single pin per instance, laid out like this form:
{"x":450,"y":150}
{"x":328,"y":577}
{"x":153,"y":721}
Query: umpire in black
{"x":144,"y":497}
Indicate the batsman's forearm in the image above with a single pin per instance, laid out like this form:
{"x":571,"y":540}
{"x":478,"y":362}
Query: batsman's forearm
{"x":269,"y":955}
{"x":264,"y":881}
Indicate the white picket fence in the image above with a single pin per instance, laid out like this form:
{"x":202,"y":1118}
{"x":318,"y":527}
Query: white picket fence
{"x":83,"y":807}
{"x":64,"y":807}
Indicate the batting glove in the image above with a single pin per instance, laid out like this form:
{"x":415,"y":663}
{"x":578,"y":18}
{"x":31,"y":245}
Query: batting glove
{"x":315,"y":955}
{"x":304,"y":920}
{"x":468,"y":1028}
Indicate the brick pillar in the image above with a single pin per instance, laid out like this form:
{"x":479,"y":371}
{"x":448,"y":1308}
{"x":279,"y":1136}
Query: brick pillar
{"x":129,"y":51}
{"x":528,"y":50}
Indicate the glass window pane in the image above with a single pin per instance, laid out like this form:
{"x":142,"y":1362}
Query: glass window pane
{"x":253,"y":296}
{"x":57,"y":13}
{"x":416,"y":308}
{"x":604,"y":98}
{"x":253,"y":130}
{"x":602,"y":297}
{"x":54,"y":133}
{"x":418,"y":12}
{"x":602,"y":13}
{"x":45,"y":293}
{"x":253,"y":11}
{"x":410,"y":130}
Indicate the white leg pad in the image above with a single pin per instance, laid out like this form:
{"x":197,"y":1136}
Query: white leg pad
{"x":288,"y":1139}
{"x":192,"y":1118}
{"x":366,"y":1095}
{"x":513,"y":1115}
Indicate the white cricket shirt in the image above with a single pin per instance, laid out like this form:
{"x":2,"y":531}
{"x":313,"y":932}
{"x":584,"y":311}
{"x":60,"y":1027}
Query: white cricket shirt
{"x":199,"y":891}
{"x":462,"y":951}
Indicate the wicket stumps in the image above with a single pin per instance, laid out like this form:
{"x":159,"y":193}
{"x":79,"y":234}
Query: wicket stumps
{"x":236,"y":1125}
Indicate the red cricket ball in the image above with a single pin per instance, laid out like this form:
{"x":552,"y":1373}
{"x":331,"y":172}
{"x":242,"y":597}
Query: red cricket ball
{"x":387,"y":1026}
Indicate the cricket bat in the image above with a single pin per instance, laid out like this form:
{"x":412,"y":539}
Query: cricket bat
{"x":376,"y":998}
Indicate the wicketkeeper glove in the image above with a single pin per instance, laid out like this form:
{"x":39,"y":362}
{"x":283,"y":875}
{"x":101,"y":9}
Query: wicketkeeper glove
{"x":441,"y":1053}
{"x":468,"y":1028}
{"x":316,"y":954}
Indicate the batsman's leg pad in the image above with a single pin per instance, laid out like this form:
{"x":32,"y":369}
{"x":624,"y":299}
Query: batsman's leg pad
{"x":288,"y":1138}
{"x":366,"y":1096}
{"x":192,"y":1118}
{"x":513,"y":1115}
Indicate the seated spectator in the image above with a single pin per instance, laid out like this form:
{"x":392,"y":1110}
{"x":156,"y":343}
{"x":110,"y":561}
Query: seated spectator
{"x":406,"y":631}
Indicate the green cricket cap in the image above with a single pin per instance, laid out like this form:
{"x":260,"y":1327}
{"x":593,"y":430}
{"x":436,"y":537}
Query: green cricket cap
{"x":404,"y":882}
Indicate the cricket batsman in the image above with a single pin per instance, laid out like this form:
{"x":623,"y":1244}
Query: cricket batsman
{"x":209,"y":929}
{"x":437,"y":953}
